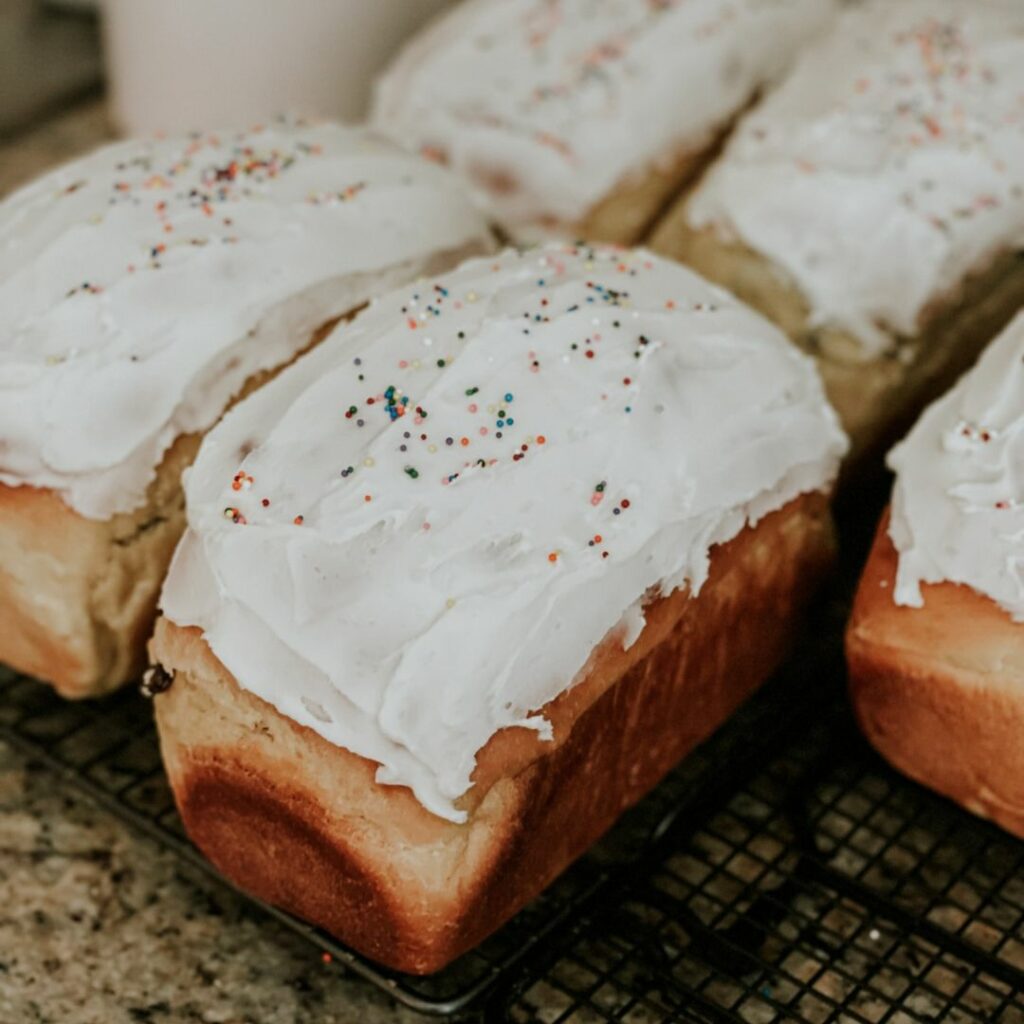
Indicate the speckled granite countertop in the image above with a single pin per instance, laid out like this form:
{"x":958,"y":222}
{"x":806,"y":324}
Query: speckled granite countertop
{"x":99,"y":925}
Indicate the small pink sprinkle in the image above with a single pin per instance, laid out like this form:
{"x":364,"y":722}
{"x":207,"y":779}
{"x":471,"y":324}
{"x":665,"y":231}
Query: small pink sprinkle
{"x":402,"y":364}
{"x":483,"y":431}
{"x":473,"y":407}
{"x":426,"y":526}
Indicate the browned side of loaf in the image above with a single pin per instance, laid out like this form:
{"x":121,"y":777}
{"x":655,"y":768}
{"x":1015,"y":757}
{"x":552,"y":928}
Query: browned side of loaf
{"x":879,"y":397}
{"x":302,"y":824}
{"x":627,"y":213}
{"x":78,"y":596}
{"x":939,"y":690}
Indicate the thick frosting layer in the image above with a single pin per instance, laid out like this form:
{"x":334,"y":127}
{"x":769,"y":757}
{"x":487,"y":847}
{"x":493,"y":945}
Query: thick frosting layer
{"x":888,"y":166}
{"x":141,"y":286}
{"x":958,"y":504}
{"x":418,"y":534}
{"x":545,"y":106}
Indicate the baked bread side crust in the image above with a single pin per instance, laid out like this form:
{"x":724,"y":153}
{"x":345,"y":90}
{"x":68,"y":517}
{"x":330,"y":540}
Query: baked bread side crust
{"x":939,"y":690}
{"x":302,"y":824}
{"x":876,"y":398}
{"x":628,"y":214}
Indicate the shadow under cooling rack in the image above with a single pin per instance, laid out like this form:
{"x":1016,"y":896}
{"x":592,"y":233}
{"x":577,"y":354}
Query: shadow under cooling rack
{"x":782,"y":873}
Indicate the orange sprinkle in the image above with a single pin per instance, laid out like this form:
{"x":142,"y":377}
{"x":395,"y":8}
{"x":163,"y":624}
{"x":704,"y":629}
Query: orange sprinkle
{"x":298,"y":520}
{"x":541,"y":439}
{"x":366,"y":497}
{"x":597,"y":538}
{"x":326,"y":958}
{"x":670,"y":304}
{"x":553,"y":557}
{"x":464,"y":442}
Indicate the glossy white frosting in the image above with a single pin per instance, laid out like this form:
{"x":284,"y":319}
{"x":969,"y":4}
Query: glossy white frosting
{"x":140,"y":286}
{"x":958,"y":503}
{"x":547,"y":105}
{"x":449,"y":574}
{"x":889,"y":164}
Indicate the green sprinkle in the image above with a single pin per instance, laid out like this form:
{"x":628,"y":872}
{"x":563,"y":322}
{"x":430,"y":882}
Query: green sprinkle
{"x":412,"y":471}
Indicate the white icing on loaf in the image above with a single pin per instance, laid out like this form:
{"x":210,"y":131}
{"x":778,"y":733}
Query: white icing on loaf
{"x":420,"y":532}
{"x":142,"y":285}
{"x":546,"y":106}
{"x":958,"y":503}
{"x":888,"y":166}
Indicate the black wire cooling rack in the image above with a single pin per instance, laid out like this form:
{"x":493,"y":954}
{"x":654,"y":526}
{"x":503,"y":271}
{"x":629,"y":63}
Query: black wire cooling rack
{"x":782,"y":873}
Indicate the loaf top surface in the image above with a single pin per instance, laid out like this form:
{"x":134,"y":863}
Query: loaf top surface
{"x":889,"y":164}
{"x":545,"y":106}
{"x":418,"y":534}
{"x":142,"y":285}
{"x":958,"y":502}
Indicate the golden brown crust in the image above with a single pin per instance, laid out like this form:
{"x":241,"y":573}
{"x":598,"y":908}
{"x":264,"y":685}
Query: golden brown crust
{"x":302,"y":823}
{"x":877,"y":398}
{"x":939,"y":690}
{"x":627,"y":214}
{"x":78,"y":596}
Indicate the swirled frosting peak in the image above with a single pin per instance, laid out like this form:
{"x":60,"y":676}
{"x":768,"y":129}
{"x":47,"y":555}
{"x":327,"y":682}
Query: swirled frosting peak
{"x":418,"y":534}
{"x":888,"y":166}
{"x":547,"y":105}
{"x":958,"y":503}
{"x":142,"y":285}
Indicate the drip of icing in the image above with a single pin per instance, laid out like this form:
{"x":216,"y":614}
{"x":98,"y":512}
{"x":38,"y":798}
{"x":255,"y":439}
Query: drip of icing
{"x":142,"y":285}
{"x":889,"y":164}
{"x":424,"y":528}
{"x":958,"y":503}
{"x":531,"y":102}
